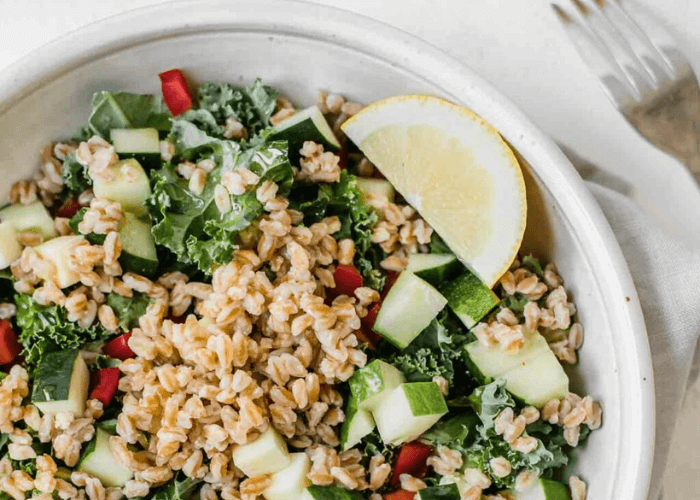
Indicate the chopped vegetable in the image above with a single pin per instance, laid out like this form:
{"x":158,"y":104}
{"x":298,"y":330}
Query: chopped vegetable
{"x":175,"y":91}
{"x":9,"y":345}
{"x":119,"y":347}
{"x":347,"y":280}
{"x":105,"y":385}
{"x":411,"y":460}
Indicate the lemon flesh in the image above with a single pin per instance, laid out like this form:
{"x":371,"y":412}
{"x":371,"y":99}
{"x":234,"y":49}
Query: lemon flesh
{"x":455,"y":169}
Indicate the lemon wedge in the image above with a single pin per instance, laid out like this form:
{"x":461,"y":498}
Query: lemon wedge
{"x":455,"y":169}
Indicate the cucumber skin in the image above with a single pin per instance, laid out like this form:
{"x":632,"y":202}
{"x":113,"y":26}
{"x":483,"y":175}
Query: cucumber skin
{"x":149,"y":161}
{"x":463,"y":301}
{"x":437,"y":275}
{"x":50,"y":383}
{"x":332,"y":493}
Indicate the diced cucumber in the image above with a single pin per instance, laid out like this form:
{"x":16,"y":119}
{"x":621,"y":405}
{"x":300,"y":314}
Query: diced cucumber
{"x":56,"y":251}
{"x":32,"y":217}
{"x":435,"y":268}
{"x":493,"y":362}
{"x":138,"y":245}
{"x":358,"y":423}
{"x":329,"y":493}
{"x":538,"y":380}
{"x":61,"y":383}
{"x":544,"y":489}
{"x":290,"y":482}
{"x":142,"y":144}
{"x":266,"y":455}
{"x":408,"y":308}
{"x":442,"y":492}
{"x":469,"y":298}
{"x":131,"y":190}
{"x":409,"y":411}
{"x":372,"y":383}
{"x":376,"y":188}
{"x":98,"y":460}
{"x":11,"y":248}
{"x":306,"y":125}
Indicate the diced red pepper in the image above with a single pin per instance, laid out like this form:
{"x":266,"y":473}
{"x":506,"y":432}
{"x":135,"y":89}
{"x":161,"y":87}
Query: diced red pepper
{"x":175,"y":91}
{"x":411,"y":460}
{"x":9,"y":345}
{"x":347,"y":280}
{"x":399,"y":495}
{"x":119,"y":347}
{"x":68,"y":209}
{"x":106,"y":381}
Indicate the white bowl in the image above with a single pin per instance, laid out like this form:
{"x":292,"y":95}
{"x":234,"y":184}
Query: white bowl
{"x":301,"y":47}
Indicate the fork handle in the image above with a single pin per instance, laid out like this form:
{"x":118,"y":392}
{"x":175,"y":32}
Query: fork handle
{"x":673,"y":123}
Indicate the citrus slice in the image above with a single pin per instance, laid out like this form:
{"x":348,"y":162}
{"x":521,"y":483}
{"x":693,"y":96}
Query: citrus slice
{"x":455,"y":169}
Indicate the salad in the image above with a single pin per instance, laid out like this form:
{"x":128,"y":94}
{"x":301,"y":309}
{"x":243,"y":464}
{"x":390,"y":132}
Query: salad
{"x":221,"y":295}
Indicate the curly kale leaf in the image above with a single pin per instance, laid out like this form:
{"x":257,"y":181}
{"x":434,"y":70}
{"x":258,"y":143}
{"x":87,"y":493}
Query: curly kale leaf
{"x":125,"y":110}
{"x":190,"y":225}
{"x":252,"y":106}
{"x":128,"y":309}
{"x":45,"y":329}
{"x":75,"y":176}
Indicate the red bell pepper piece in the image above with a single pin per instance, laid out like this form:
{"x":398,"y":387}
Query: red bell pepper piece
{"x":119,"y":347}
{"x":9,"y":345}
{"x":347,"y":280}
{"x":400,"y":495}
{"x":105,"y":385}
{"x":175,"y":91}
{"x":68,"y":209}
{"x":411,"y":460}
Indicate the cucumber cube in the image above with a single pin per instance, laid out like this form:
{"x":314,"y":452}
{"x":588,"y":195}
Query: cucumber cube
{"x":32,"y":217}
{"x":469,"y":298}
{"x":435,"y":268}
{"x":409,"y":411}
{"x":372,"y":383}
{"x":290,"y":482}
{"x":56,"y":252}
{"x":138,"y":245}
{"x":538,"y":380}
{"x":442,"y":492}
{"x":376,"y":188}
{"x":129,"y":185}
{"x":358,"y":423}
{"x":266,"y":455}
{"x":493,"y":362}
{"x":306,"y":125}
{"x":61,"y":383}
{"x":99,"y":461}
{"x":11,"y":248}
{"x":544,"y":489}
{"x":135,"y":140}
{"x":408,"y":309}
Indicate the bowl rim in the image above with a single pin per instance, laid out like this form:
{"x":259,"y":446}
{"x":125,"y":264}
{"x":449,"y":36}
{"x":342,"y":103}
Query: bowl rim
{"x":379,"y":40}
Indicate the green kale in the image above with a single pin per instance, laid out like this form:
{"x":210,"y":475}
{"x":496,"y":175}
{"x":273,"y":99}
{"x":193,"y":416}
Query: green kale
{"x":533,"y":264}
{"x":344,"y":200}
{"x":252,"y":106}
{"x":178,"y":488}
{"x":124,"y":110}
{"x":191,"y":226}
{"x":457,"y":432}
{"x":128,"y":309}
{"x":45,"y":329}
{"x":437,"y":351}
{"x":94,"y":238}
{"x":438,"y":245}
{"x":75,"y":177}
{"x":488,"y":401}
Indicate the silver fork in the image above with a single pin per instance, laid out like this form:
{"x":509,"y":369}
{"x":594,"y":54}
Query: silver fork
{"x":642,"y":71}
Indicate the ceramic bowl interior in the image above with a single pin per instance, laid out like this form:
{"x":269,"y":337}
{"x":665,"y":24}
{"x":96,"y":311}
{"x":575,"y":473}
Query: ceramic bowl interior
{"x":301,"y":48}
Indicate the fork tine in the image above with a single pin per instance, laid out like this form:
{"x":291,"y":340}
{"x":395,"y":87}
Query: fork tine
{"x":660,"y":39}
{"x":637,"y":41}
{"x":599,"y":60}
{"x":618,"y":47}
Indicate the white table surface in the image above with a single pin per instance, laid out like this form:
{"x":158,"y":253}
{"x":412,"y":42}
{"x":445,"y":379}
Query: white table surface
{"x":520,"y":47}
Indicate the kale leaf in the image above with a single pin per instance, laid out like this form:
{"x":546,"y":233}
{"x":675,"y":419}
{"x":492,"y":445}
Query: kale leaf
{"x":252,"y":106}
{"x":75,"y":177}
{"x":128,"y":309}
{"x":488,"y":401}
{"x":191,"y":226}
{"x":178,"y":488}
{"x":45,"y":329}
{"x":125,"y":110}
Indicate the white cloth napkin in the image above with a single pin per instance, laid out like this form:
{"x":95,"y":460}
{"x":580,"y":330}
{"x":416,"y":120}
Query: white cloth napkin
{"x":666,"y":273}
